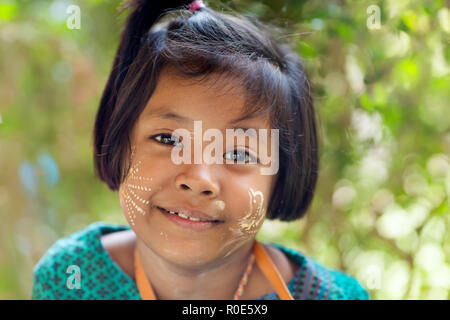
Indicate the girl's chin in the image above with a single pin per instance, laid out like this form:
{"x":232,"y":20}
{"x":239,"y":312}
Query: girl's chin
{"x":192,"y":256}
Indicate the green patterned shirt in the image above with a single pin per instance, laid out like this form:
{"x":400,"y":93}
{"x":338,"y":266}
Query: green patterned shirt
{"x":81,"y":259}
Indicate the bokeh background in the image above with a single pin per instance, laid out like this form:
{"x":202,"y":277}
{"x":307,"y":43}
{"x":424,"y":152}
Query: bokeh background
{"x":382,"y":92}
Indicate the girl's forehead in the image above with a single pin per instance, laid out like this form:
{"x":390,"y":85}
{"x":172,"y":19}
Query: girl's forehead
{"x":213,"y":89}
{"x":186,"y":100}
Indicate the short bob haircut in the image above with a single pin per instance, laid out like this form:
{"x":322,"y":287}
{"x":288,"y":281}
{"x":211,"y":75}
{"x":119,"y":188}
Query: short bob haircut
{"x":198,"y":45}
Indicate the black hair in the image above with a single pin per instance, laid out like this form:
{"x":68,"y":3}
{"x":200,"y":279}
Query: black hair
{"x":199,"y":45}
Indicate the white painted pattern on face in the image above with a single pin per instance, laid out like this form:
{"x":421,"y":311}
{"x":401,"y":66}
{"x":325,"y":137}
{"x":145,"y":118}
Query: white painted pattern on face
{"x":133,"y":201}
{"x":248,"y":225}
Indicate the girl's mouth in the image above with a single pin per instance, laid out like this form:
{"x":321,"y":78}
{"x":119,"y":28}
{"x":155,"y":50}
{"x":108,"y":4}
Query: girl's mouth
{"x":189,"y":222}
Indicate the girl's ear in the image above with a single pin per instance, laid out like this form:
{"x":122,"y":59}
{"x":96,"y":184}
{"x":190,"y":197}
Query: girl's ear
{"x":142,"y":16}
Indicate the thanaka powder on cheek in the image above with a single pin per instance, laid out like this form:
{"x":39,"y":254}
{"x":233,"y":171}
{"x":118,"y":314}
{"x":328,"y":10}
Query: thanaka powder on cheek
{"x":220,"y":204}
{"x":247,"y":226}
{"x":251,"y":222}
{"x":130,"y":188}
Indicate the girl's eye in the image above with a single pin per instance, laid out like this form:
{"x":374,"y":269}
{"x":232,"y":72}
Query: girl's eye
{"x":167,"y":139}
{"x":241,"y":156}
{"x":237,"y":155}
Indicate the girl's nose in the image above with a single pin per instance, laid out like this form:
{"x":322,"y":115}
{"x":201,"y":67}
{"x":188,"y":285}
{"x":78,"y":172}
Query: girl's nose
{"x":197,"y":180}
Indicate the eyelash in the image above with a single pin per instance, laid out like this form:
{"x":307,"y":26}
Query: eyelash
{"x":169,"y":136}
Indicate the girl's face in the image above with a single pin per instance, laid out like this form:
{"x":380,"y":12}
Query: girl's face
{"x":232,"y":197}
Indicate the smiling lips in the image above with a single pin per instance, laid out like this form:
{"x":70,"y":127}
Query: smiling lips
{"x":193,"y":220}
{"x":191,"y":215}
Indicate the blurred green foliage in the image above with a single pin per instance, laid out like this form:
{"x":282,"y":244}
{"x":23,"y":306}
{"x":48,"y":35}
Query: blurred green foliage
{"x":381,"y":211}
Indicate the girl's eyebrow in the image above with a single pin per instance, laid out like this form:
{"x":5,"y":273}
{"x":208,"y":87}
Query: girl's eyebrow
{"x":164,"y":114}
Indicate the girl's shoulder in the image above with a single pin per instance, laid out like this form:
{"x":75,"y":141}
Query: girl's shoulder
{"x":78,"y":267}
{"x":314,"y":281}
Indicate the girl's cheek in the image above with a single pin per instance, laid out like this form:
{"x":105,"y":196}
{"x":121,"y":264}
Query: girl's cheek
{"x":245,"y":227}
{"x":254,"y":218}
{"x":134,"y":192}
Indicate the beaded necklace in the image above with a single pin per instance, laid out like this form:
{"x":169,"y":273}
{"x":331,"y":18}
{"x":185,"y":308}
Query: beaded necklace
{"x":244,"y":279}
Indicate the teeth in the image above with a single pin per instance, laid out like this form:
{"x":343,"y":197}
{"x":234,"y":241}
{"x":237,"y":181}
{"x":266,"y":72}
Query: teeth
{"x":185,"y":216}
{"x":182,"y":215}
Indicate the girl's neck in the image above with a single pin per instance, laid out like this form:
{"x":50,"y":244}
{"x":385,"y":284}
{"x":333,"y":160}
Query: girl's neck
{"x":120,"y":247}
{"x":173,"y":282}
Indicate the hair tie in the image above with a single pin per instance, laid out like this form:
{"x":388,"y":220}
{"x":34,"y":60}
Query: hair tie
{"x":195,"y":5}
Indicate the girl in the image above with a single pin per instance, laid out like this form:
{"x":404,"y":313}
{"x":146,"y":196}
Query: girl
{"x":192,"y":226}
